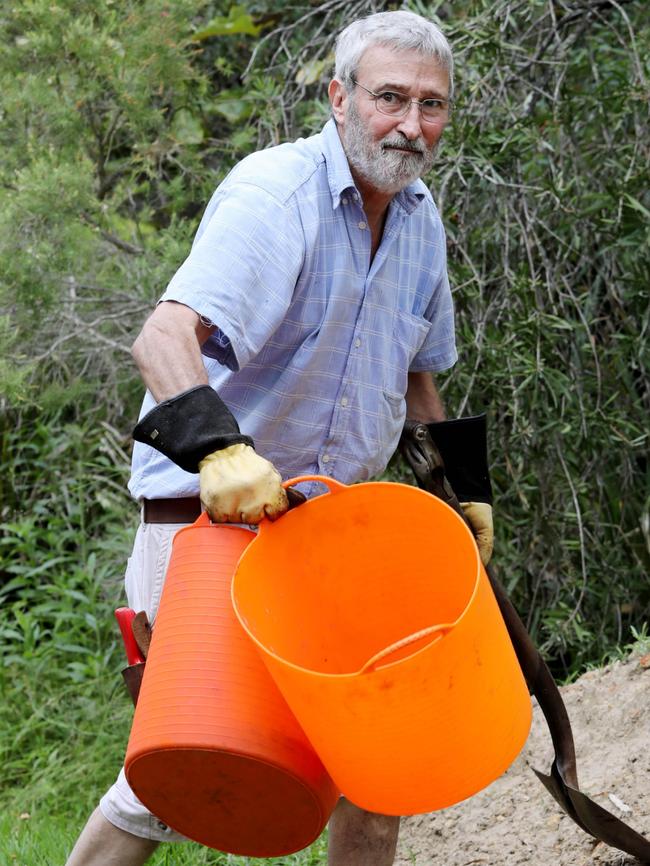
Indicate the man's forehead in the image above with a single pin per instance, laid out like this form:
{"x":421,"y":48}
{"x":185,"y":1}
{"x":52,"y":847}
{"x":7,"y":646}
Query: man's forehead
{"x":401,"y":68}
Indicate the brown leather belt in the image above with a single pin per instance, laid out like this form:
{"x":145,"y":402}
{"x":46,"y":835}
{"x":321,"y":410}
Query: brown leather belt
{"x":184,"y":509}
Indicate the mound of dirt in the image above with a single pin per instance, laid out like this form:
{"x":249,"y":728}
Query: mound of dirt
{"x":516,"y":822}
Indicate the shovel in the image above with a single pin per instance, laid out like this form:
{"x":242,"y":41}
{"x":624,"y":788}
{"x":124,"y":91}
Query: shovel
{"x":424,"y":459}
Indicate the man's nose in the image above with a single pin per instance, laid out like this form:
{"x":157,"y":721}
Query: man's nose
{"x":410,"y":124}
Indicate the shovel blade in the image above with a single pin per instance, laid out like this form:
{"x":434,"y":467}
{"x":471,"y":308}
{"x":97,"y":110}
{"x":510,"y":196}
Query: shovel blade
{"x":593,"y":819}
{"x":133,"y":678}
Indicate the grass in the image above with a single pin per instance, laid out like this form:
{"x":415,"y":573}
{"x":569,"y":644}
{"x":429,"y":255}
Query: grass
{"x":637,"y":647}
{"x":34,"y":840}
{"x":60,"y":758}
{"x":641,"y":643}
{"x":42,"y":839}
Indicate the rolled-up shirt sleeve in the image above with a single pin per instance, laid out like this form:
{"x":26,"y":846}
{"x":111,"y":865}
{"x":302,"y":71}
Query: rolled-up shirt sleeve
{"x":242,"y":270}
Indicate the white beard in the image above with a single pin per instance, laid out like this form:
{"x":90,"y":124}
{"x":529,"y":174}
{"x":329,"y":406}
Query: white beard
{"x":387,"y":170}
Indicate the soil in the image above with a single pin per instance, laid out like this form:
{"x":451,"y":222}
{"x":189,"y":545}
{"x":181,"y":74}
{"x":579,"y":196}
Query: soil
{"x":515,"y":821}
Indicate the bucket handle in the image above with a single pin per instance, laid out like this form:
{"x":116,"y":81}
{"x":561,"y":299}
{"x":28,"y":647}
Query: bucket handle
{"x":441,"y":629}
{"x":334,"y":487}
{"x":331,"y":483}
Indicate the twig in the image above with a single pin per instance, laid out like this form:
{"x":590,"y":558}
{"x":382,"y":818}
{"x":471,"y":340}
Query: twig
{"x":111,"y":238}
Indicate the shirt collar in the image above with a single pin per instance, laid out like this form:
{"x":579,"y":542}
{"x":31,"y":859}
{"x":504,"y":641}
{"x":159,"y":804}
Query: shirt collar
{"x":340,"y":178}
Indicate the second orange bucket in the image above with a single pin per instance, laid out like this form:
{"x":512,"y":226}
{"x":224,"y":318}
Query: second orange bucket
{"x":214,"y":750}
{"x":375,"y":618}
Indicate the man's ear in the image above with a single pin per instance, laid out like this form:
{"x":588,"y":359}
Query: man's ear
{"x":338,"y":97}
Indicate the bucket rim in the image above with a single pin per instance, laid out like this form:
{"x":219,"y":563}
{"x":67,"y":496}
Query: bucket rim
{"x":341,"y":489}
{"x":203,"y":521}
{"x":250,"y":755}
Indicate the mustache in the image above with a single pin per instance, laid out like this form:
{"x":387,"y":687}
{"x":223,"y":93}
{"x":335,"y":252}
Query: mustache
{"x":402,"y":144}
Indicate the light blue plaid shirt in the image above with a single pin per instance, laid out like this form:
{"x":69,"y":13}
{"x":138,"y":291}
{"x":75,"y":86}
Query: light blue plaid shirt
{"x":314,"y":342}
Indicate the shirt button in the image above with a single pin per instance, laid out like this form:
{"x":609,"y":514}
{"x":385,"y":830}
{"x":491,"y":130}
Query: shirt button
{"x":325,"y":458}
{"x":344,"y":200}
{"x":344,"y":401}
{"x":363,"y":225}
{"x":357,"y":343}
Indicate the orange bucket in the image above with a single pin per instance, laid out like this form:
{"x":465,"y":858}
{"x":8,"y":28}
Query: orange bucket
{"x":376,"y":620}
{"x":214,"y":750}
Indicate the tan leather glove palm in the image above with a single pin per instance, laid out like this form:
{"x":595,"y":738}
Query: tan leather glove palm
{"x":479,"y":515}
{"x":239,"y":486}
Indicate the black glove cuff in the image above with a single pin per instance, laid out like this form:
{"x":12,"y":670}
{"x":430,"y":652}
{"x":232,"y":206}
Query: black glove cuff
{"x":190,"y":426}
{"x":462,"y":443}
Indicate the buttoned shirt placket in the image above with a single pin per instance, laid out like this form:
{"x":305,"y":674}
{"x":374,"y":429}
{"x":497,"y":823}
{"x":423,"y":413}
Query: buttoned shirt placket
{"x":356,"y":220}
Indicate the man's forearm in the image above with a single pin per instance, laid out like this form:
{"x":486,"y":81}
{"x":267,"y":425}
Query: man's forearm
{"x":168,"y":351}
{"x":423,"y":402}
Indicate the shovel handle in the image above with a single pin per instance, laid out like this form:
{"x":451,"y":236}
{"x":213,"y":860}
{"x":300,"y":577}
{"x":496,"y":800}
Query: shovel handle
{"x":125,"y":617}
{"x":440,"y":630}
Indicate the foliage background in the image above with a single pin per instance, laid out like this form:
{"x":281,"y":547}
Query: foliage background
{"x":117,"y":122}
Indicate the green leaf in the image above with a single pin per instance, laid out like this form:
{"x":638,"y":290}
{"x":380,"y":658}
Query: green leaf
{"x":232,"y":106}
{"x":313,"y":70}
{"x":238,"y":22}
{"x":187,"y":128}
{"x":634,"y":203}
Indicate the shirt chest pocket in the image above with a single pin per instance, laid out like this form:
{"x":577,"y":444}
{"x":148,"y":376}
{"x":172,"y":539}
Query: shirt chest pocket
{"x":408,"y":336}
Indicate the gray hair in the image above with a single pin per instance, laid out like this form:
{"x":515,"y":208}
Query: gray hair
{"x":403,"y":31}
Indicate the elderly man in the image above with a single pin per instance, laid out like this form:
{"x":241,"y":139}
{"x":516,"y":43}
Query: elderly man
{"x":299,"y":333}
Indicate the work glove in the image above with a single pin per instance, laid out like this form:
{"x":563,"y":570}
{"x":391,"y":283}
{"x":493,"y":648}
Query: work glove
{"x":239,"y":486}
{"x":197,"y":431}
{"x":462,"y":443}
{"x":479,"y":516}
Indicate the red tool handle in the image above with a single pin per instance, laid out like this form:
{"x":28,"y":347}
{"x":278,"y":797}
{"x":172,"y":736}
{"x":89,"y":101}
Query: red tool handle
{"x":125,"y":617}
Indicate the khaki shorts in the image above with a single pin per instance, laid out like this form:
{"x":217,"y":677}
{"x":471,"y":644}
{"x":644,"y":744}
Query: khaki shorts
{"x":144,"y":578}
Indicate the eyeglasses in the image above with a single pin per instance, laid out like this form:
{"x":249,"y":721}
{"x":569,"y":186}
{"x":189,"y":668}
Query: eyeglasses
{"x":398,"y":104}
